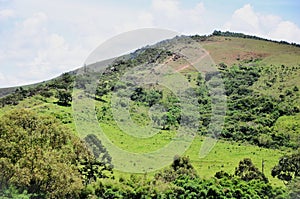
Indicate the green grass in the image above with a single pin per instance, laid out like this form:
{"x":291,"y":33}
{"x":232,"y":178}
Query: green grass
{"x":134,"y":144}
{"x":44,"y":106}
{"x":289,"y":125}
{"x":226,"y":155}
{"x":230,"y":50}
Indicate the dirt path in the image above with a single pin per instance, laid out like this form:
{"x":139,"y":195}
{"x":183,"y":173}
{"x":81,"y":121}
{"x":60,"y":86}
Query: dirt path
{"x":180,"y":68}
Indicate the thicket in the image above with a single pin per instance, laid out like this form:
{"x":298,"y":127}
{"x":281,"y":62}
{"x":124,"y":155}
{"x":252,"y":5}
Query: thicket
{"x":251,"y":116}
{"x":180,"y":181}
{"x":60,"y":87}
{"x":40,"y":158}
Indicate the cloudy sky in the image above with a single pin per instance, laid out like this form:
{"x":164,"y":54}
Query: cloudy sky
{"x":40,"y":39}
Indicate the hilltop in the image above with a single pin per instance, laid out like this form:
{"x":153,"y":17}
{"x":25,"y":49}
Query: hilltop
{"x":187,"y":84}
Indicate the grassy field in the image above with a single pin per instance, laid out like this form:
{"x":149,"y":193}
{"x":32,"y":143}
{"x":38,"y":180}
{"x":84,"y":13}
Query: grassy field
{"x":231,"y":50}
{"x":224,"y":156}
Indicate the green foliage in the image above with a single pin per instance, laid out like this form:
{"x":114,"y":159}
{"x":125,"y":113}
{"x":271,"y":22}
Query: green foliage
{"x":294,"y":188}
{"x":39,"y":158}
{"x":150,"y":97}
{"x":101,"y":166}
{"x":251,"y":117}
{"x":222,"y":174}
{"x":46,"y":89}
{"x":247,"y":171}
{"x":184,"y":186}
{"x":287,"y":130}
{"x":288,"y":167}
{"x":181,"y":166}
{"x":241,"y":35}
{"x":13,"y":192}
{"x":204,"y":101}
{"x":64,"y":97}
{"x":37,"y":154}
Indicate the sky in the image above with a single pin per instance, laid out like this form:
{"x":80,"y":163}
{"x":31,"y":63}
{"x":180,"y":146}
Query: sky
{"x":41,"y":39}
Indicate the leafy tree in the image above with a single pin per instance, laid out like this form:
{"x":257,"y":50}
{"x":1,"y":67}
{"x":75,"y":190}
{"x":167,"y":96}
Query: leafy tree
{"x":287,"y":168}
{"x":64,"y":97}
{"x":139,"y":95}
{"x":247,"y":171}
{"x":153,"y":97}
{"x":222,"y":174}
{"x":64,"y":81}
{"x":14,"y":193}
{"x":39,"y":155}
{"x":181,"y":166}
{"x":101,"y":166}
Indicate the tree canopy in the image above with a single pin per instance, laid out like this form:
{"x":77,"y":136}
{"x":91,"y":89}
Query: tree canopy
{"x":40,"y":155}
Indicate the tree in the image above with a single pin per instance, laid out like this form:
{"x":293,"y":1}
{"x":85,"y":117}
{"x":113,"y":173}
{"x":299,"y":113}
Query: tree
{"x":64,"y":97}
{"x":65,"y":81}
{"x":181,"y":166}
{"x":247,"y":171}
{"x":100,"y":166}
{"x":287,"y":168}
{"x":39,"y":155}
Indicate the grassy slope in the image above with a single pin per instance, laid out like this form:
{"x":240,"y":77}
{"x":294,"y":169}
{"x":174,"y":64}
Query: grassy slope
{"x":280,"y":61}
{"x":46,"y":106}
{"x":225,"y":155}
{"x":230,"y":49}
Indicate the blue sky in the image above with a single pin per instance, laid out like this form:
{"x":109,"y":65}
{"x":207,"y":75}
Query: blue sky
{"x":41,"y":39}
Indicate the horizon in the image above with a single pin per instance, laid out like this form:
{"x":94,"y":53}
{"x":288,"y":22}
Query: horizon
{"x":211,"y":34}
{"x":41,"y":40}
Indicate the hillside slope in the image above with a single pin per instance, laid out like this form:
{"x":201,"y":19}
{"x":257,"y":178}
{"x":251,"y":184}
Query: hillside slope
{"x":261,"y":81}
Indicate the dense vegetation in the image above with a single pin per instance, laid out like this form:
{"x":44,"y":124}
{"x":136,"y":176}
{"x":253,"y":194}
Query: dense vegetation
{"x":49,"y":162}
{"x":60,"y":87}
{"x":41,"y":157}
{"x":181,"y":181}
{"x":251,"y":116}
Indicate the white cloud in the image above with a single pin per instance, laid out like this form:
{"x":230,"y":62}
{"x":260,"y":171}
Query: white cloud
{"x":48,"y":39}
{"x":2,"y":77}
{"x":41,"y":39}
{"x":170,"y":14}
{"x":6,"y":13}
{"x":34,"y":24}
{"x":246,"y":17}
{"x":169,"y":7}
{"x":286,"y":30}
{"x":248,"y":21}
{"x":32,"y":53}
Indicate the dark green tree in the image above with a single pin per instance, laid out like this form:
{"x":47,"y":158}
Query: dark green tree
{"x":287,"y":168}
{"x":248,"y":171}
{"x":100,"y":166}
{"x":64,"y":97}
{"x":181,"y":166}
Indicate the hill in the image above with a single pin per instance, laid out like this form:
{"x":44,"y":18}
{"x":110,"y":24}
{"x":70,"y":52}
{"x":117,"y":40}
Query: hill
{"x":240,"y":89}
